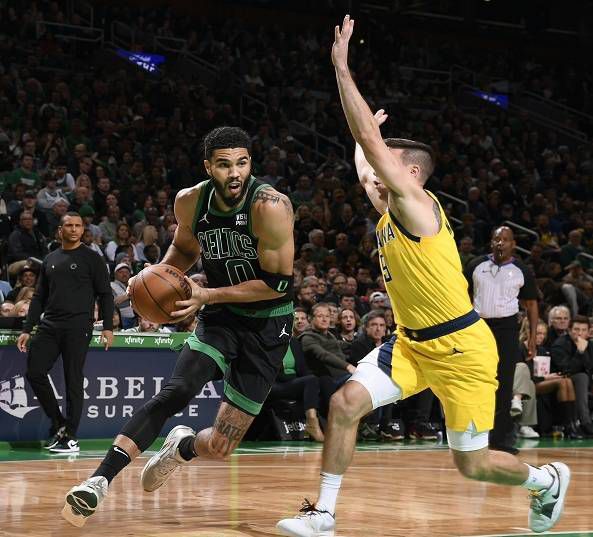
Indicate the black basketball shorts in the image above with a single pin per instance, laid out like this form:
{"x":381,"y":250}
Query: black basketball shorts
{"x":248,"y":350}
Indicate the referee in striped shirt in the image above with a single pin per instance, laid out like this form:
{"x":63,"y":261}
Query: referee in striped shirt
{"x":497,"y":283}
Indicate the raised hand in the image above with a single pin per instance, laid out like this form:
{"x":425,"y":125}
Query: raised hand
{"x":380,"y":117}
{"x":340,"y":46}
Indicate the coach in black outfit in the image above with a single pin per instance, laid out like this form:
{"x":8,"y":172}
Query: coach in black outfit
{"x":496,"y":284}
{"x":70,"y":279}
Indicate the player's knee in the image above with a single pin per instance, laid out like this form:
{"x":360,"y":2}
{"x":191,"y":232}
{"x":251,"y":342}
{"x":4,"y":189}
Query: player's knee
{"x":344,"y":407}
{"x":175,"y":397}
{"x":471,"y":465}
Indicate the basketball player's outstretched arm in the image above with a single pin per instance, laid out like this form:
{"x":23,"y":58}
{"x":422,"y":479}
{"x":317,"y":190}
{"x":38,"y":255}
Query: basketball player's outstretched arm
{"x":273,"y":224}
{"x":185,"y":248}
{"x":363,"y":124}
{"x":367,"y":177}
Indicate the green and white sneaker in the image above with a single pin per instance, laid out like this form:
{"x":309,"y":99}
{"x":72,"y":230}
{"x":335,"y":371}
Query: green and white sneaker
{"x":84,"y":499}
{"x":547,"y":505}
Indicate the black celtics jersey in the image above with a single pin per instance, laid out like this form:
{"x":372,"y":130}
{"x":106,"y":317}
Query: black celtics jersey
{"x":229,"y":247}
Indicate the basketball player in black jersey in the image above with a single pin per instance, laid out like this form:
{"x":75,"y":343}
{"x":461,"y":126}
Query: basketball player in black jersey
{"x":243,"y":231}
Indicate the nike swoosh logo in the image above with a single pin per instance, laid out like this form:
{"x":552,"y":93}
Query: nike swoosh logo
{"x":119,"y":450}
{"x":455,"y":351}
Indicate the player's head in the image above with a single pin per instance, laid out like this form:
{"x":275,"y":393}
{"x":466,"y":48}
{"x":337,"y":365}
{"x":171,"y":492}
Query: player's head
{"x":502,"y":243}
{"x":417,"y":157}
{"x":227,"y":154}
{"x":71,"y":228}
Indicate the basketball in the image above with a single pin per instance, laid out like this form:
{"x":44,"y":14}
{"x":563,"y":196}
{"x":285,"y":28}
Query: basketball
{"x":156,"y":289}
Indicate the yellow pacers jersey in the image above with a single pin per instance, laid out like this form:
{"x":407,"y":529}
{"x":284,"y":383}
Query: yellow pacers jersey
{"x":422,"y":275}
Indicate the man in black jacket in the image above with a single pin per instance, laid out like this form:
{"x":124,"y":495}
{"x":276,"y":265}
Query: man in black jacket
{"x":572,"y":354}
{"x":71,"y":278}
{"x":25,"y":242}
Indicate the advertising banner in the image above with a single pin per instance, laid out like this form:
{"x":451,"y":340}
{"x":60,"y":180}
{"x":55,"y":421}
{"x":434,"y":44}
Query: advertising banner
{"x":116,"y":383}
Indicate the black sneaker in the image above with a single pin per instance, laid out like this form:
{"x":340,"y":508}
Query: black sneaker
{"x":54,"y":438}
{"x":424,"y":431}
{"x":572,"y":431}
{"x":393,"y":431}
{"x":67,"y":444}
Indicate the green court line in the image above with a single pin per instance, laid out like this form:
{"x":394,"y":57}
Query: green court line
{"x":96,"y":448}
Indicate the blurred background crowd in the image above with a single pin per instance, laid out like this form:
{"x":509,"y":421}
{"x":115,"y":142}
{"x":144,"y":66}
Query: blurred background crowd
{"x":83,"y":129}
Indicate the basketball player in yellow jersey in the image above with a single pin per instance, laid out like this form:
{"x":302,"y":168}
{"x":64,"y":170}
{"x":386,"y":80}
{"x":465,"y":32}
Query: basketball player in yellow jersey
{"x":440,"y":342}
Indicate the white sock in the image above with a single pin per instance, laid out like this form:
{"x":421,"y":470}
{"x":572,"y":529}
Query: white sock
{"x":538,"y":478}
{"x":328,"y":492}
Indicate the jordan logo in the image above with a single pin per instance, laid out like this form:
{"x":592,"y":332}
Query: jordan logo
{"x":204,"y":219}
{"x":284,"y":332}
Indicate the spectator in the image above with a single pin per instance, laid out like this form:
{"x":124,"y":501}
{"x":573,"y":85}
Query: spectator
{"x":378,"y":301}
{"x":58,"y":210}
{"x":21,"y":308}
{"x":6,"y":309}
{"x":306,"y":297}
{"x":306,"y":257}
{"x":348,"y":323}
{"x":108,"y":227}
{"x":25,"y":242}
{"x":338,"y":288}
{"x":371,"y":338}
{"x":343,"y":248}
{"x":123,"y":237}
{"x":301,"y":322}
{"x":144,"y":325}
{"x":88,"y":241}
{"x":48,"y":196}
{"x":295,"y":382}
{"x":121,"y":300}
{"x":25,"y":174}
{"x":553,"y":382}
{"x":570,"y":251}
{"x":572,"y":355}
{"x":27,"y":279}
{"x":558,"y":323}
{"x":150,"y":237}
{"x":466,"y":248}
{"x":64,"y":180}
{"x":323,"y":352}
{"x":317,"y":239}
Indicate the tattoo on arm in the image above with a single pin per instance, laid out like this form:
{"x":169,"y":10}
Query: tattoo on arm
{"x":274,"y":199}
{"x":437,"y":213}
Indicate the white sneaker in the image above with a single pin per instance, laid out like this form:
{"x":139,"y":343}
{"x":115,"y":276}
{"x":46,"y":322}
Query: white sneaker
{"x":84,"y":499}
{"x":309,"y":523}
{"x":516,"y":407}
{"x":162,"y":465}
{"x":525,"y":431}
{"x":546,"y":507}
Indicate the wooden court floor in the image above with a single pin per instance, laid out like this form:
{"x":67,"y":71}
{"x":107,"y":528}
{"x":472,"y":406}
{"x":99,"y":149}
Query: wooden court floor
{"x":386,"y":493}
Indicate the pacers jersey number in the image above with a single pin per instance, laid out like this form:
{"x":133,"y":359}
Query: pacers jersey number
{"x":384,"y":268}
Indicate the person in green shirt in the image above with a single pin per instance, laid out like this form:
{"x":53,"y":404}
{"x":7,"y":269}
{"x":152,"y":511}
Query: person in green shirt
{"x":25,"y":174}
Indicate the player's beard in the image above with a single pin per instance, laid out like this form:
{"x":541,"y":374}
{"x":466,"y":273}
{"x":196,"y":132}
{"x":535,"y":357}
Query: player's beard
{"x":228,"y":200}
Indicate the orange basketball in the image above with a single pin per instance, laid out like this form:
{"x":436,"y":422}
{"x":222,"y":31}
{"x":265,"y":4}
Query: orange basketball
{"x":156,"y":289}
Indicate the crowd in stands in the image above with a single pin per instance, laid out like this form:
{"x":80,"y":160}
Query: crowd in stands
{"x":117,"y":144}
